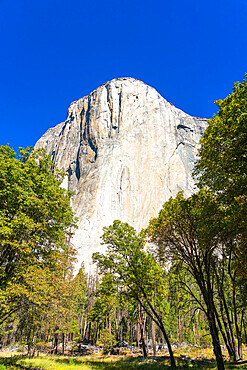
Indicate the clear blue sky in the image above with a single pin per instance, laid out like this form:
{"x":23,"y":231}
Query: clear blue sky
{"x":55,"y":51}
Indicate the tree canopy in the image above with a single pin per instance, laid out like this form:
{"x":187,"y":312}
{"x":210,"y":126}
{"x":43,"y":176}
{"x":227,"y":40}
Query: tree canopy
{"x":36,"y":219}
{"x":222,"y":165}
{"x":222,"y":168}
{"x":137,"y":271}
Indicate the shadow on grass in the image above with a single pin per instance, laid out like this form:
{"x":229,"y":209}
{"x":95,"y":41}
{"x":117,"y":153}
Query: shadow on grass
{"x":11,"y":363}
{"x":134,"y":363}
{"x":10,"y":360}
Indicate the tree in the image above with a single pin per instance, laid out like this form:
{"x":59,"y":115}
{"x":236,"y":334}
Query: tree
{"x":187,"y":230}
{"x":35,"y":212}
{"x":79,"y":286}
{"x":230,"y":308}
{"x":137,"y":271}
{"x":48,"y":302}
{"x":104,"y":304}
{"x":36,"y":219}
{"x":188,"y":322}
{"x":222,"y":167}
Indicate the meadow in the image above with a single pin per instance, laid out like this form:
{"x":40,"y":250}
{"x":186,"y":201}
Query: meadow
{"x":186,"y":359}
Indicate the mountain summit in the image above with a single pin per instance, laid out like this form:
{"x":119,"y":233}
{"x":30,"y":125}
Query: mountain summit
{"x":126,"y":151}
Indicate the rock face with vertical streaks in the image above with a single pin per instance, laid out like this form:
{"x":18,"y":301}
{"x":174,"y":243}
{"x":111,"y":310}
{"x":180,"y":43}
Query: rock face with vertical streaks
{"x":126,"y":150}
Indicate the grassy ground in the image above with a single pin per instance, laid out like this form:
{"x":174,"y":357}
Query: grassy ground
{"x":124,"y":362}
{"x":99,"y":362}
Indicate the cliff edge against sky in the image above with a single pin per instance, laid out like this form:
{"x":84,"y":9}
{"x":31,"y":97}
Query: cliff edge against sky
{"x":126,"y":150}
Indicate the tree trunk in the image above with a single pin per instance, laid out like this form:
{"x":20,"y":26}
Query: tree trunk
{"x":244,"y":328}
{"x":179,"y":333}
{"x":80,"y":325}
{"x":238,"y":332}
{"x":55,"y":346}
{"x":116,"y":324}
{"x":205,"y":285}
{"x":142,"y":332}
{"x":147,"y":337}
{"x":29,"y":347}
{"x":96,"y":332}
{"x":84,"y":327}
{"x":109,"y":326}
{"x":130,"y":332}
{"x":215,"y":337}
{"x":226,"y":336}
{"x":138,"y":336}
{"x":89,"y":331}
{"x":172,"y":359}
{"x":153,"y":337}
{"x":63,"y":339}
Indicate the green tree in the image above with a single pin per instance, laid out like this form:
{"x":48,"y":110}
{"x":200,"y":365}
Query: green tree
{"x":188,"y":230}
{"x":35,"y":212}
{"x":231,"y":310}
{"x":79,"y":286}
{"x":185,"y":305}
{"x":137,"y":271}
{"x":222,"y":167}
{"x":104,"y":305}
{"x":47,"y":302}
{"x":108,"y":340}
{"x":36,"y":219}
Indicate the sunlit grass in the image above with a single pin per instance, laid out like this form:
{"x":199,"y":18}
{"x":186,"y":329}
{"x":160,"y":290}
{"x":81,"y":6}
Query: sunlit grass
{"x":50,"y":363}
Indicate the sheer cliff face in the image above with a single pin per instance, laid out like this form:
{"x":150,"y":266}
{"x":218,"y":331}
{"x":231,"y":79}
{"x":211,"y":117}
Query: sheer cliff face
{"x":126,"y":150}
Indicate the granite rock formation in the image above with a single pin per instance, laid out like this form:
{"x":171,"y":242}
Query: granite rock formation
{"x":126,"y":150}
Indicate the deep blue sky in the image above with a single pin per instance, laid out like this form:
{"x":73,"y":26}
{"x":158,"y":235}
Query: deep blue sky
{"x":55,"y":51}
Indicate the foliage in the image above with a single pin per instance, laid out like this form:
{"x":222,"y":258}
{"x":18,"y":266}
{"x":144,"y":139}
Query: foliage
{"x":187,"y":321}
{"x":136,"y":271}
{"x":79,"y":289}
{"x":132,"y":267}
{"x":222,"y":167}
{"x":37,"y":289}
{"x":106,"y":299}
{"x":35,"y":214}
{"x":187,"y":230}
{"x":108,"y":340}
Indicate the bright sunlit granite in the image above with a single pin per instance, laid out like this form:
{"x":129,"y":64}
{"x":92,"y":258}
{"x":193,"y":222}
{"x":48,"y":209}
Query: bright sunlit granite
{"x":126,"y":150}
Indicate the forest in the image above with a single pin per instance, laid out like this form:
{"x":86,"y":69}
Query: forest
{"x":180,"y":282}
